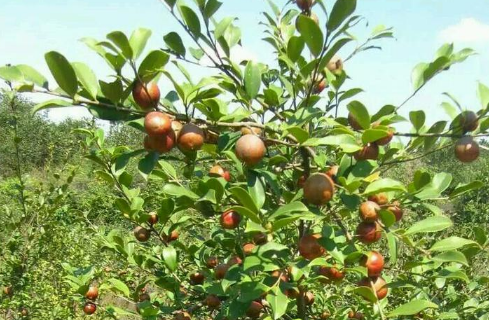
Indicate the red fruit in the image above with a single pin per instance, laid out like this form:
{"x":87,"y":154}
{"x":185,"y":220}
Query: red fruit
{"x":301,"y":181}
{"x":374,"y":262}
{"x":396,"y":210}
{"x":217,"y":170}
{"x":173,"y":236}
{"x":141,"y":234}
{"x":196,"y":278}
{"x":354,"y":123}
{"x":309,"y":247}
{"x":381,"y":199}
{"x":182,"y":315}
{"x":230,"y":219}
{"x":469,"y":121}
{"x":250,"y":149}
{"x":368,"y":152}
{"x":254,"y":310}
{"x":319,"y":189}
{"x":89,"y":308}
{"x":332,"y":273}
{"x":466,"y":149}
{"x":377,"y":284}
{"x":248,"y":249}
{"x":320,"y":86}
{"x":260,"y":238}
{"x":227,"y":176}
{"x":146,"y":96}
{"x":190,"y":138}
{"x":92,"y":293}
{"x":157,"y":123}
{"x":234,"y":260}
{"x":278,"y":273}
{"x":305,"y":5}
{"x":333,"y":172}
{"x":161,"y":144}
{"x":211,"y":262}
{"x":369,"y":232}
{"x":309,"y":298}
{"x":153,"y":218}
{"x":220,"y":271}
{"x":369,"y":211}
{"x":212,"y":301}
{"x":387,"y":139}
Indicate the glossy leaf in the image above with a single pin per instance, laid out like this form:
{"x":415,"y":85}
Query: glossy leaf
{"x":63,"y":72}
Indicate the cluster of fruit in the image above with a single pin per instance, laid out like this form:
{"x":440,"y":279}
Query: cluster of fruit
{"x":91,"y":295}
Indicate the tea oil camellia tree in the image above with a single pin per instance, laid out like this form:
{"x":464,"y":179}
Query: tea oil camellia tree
{"x":273,"y":205}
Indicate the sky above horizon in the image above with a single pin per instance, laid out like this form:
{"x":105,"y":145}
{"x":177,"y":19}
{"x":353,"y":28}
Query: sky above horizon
{"x":30,"y":28}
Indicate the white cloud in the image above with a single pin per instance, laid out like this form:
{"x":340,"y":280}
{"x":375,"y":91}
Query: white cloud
{"x":467,"y":30}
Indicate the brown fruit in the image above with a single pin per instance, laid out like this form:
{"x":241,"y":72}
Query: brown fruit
{"x":220,"y":271}
{"x":325,"y":315}
{"x":309,"y":298}
{"x":469,"y":121}
{"x":92,"y":293}
{"x":331,"y":273}
{"x":146,"y":96}
{"x":377,"y":284}
{"x":254,"y":130}
{"x":305,"y":5}
{"x":24,"y":312}
{"x":335,"y":65}
{"x":248,"y":249}
{"x":359,"y":315}
{"x":351,"y":314}
{"x":217,"y":170}
{"x":190,"y":138}
{"x":212,"y":301}
{"x":309,"y":247}
{"x":395,"y":208}
{"x":234,"y":260}
{"x":320,"y":86}
{"x":387,"y":139}
{"x":250,"y":149}
{"x":354,"y":123}
{"x":332,"y":172}
{"x":467,"y":149}
{"x":161,"y":144}
{"x":153,"y":218}
{"x":374,"y":262}
{"x":380,"y":199}
{"x":260,"y":238}
{"x":144,"y":297}
{"x":301,"y":181}
{"x":182,"y":315}
{"x":254,"y":310}
{"x":283,"y":276}
{"x":89,"y":308}
{"x":318,"y":189}
{"x":8,"y":291}
{"x":291,"y":293}
{"x":369,"y":232}
{"x":172,"y":237}
{"x":211,"y":262}
{"x":230,"y":219}
{"x":197,"y":278}
{"x":369,"y":211}
{"x":368,"y":152}
{"x":141,"y":234}
{"x":157,"y":123}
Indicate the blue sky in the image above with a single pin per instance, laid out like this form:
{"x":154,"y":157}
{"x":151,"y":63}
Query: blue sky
{"x":29,"y":28}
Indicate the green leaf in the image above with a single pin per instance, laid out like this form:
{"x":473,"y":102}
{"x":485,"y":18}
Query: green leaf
{"x":11,"y":73}
{"x":120,"y":286}
{"x":311,"y":33}
{"x":431,"y":224}
{"x":392,"y":242}
{"x":191,"y":20}
{"x":371,"y":135}
{"x":423,"y":72}
{"x":170,"y":258}
{"x":247,"y":213}
{"x":32,"y":75}
{"x":63,"y":72}
{"x":222,"y":26}
{"x":211,"y":7}
{"x":295,"y":47}
{"x":466,"y":187}
{"x":54,"y":103}
{"x":483,"y":94}
{"x":87,"y":78}
{"x":256,"y":189}
{"x":452,"y":243}
{"x":289,"y":208}
{"x":417,"y":119}
{"x":366,"y":292}
{"x":138,"y":41}
{"x":360,"y":113}
{"x":175,"y":43}
{"x":121,"y":41}
{"x":342,"y":9}
{"x":252,"y":79}
{"x":278,"y":302}
{"x":412,"y":307}
{"x":345,"y":141}
{"x":152,"y":65}
{"x":147,"y":164}
{"x":244,"y":198}
{"x":300,"y":134}
{"x":384,"y":185}
{"x":451,"y":256}
{"x":113,"y":90}
{"x":179,"y":191}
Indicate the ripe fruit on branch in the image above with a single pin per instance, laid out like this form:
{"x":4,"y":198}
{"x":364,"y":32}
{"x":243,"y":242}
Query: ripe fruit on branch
{"x":234,"y":260}
{"x":248,"y":249}
{"x":89,"y":308}
{"x":172,"y":237}
{"x":212,"y":301}
{"x":250,"y":149}
{"x":335,"y":65}
{"x":368,"y":152}
{"x":377,"y":284}
{"x":380,"y":199}
{"x":141,"y":234}
{"x":157,"y":123}
{"x":333,"y":172}
{"x":396,"y":210}
{"x":369,"y":232}
{"x":325,"y":315}
{"x":309,"y":247}
{"x":354,"y":122}
{"x":319,"y":86}
{"x":230,"y":219}
{"x":309,"y":298}
{"x":331,"y":273}
{"x":385,"y":140}
{"x":161,"y":144}
{"x":469,"y":121}
{"x":301,"y":181}
{"x":254,"y":310}
{"x":217,"y":170}
{"x":211,"y":262}
{"x":24,"y":312}
{"x":467,"y":149}
{"x":197,"y":278}
{"x":146,"y":96}
{"x":374,"y":262}
{"x":369,"y":211}
{"x":318,"y":189}
{"x":260,"y":238}
{"x":183,"y":315}
{"x":305,"y":5}
{"x":153,"y":218}
{"x":8,"y":291}
{"x":220,"y":271}
{"x":254,"y":130}
{"x":144,"y":297}
{"x":92,"y":293}
{"x":190,"y":138}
